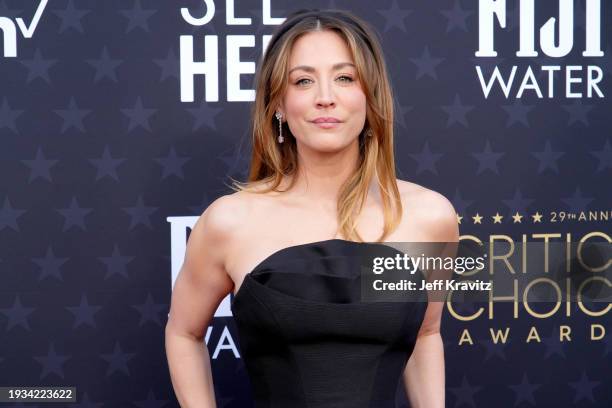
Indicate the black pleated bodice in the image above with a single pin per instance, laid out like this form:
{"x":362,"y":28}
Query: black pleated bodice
{"x":308,"y":339}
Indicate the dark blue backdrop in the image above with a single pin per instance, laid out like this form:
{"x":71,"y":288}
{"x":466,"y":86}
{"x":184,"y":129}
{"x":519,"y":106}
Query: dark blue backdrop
{"x":105,"y":163}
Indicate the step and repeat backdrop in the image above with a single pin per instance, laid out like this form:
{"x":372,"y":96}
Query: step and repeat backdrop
{"x":121,"y":120}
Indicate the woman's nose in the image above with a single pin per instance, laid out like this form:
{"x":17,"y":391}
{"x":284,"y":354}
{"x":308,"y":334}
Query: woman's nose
{"x":325,"y":94}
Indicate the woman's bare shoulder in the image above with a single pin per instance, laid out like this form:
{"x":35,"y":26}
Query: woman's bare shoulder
{"x":430,"y":209}
{"x":234,"y":214}
{"x":228,"y":212}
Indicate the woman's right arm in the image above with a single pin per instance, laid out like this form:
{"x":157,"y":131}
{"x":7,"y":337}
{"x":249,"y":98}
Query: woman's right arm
{"x":200,"y":287}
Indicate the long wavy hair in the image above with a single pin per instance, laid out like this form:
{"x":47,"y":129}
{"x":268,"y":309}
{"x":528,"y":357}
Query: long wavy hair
{"x":271,"y":161}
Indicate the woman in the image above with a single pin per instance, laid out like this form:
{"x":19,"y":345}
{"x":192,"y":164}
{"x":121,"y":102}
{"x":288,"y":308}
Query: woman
{"x":322,"y":183}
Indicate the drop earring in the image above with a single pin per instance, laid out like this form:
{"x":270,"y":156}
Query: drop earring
{"x":280,"y":127}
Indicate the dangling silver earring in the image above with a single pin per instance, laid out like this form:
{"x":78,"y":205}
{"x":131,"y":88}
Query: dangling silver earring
{"x":281,"y":139}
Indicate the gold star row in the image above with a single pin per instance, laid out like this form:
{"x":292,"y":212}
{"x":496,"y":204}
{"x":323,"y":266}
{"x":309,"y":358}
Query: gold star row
{"x":497,"y":218}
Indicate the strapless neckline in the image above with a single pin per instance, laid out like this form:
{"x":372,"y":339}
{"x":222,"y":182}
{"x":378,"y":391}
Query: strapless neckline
{"x":284,"y":250}
{"x":303,"y":245}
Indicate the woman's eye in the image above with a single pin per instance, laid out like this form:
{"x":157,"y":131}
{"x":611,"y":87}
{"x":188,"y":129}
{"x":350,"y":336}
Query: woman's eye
{"x":300,"y":82}
{"x":344,"y":78}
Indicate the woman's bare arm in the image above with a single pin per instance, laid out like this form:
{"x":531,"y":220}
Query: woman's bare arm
{"x":200,"y":287}
{"x":424,"y":376}
{"x":424,"y":373}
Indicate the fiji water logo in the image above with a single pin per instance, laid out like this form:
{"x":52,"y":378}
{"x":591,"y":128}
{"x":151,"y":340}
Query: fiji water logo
{"x":9,"y":30}
{"x":554,"y":39}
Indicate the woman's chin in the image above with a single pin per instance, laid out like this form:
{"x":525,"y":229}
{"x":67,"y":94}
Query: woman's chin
{"x":328,"y":144}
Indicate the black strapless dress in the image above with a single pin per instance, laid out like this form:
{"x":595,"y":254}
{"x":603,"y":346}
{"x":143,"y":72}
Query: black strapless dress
{"x":308,"y":339}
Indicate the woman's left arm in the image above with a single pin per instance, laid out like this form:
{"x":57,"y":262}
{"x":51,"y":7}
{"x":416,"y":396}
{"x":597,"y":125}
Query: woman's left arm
{"x":424,"y":375}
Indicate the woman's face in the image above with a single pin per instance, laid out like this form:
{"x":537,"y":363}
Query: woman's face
{"x":323,"y":83}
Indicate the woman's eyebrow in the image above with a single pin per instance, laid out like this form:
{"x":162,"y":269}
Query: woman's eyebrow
{"x":312,"y":69}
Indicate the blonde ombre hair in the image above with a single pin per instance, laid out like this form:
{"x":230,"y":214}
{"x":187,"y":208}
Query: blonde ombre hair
{"x":271,"y":161}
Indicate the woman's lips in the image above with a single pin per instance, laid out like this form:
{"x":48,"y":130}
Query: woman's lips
{"x":327,"y":125}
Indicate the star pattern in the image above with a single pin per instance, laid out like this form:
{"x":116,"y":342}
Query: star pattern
{"x":517,"y":113}
{"x":116,"y":264}
{"x":517,"y":203}
{"x":105,"y":66}
{"x":553,"y":347}
{"x":578,"y":113}
{"x":71,"y":17}
{"x":99,"y":155}
{"x":9,"y":216}
{"x":487,"y":159}
{"x":401,"y":115}
{"x":74,"y":215}
{"x":604,"y":156}
{"x":457,"y":112}
{"x":38,"y":67}
{"x":457,"y":17}
{"x":84,"y":313}
{"x":493,"y":350}
{"x":52,"y":363}
{"x":426,"y":159}
{"x":73,"y":116}
{"x":140,"y":214}
{"x":461,"y":204}
{"x":465,"y":393}
{"x":50,"y":265}
{"x":517,"y":218}
{"x":137,"y":17}
{"x":426,"y":64}
{"x":117,"y":361}
{"x":149,"y":311}
{"x":524,"y":391}
{"x":17,"y":315}
{"x":584,"y":388}
{"x":172,"y":164}
{"x":548,"y":158}
{"x":169,"y":66}
{"x":577,"y":202}
{"x":139,"y":115}
{"x":39,"y":166}
{"x":107,"y":165}
{"x":204,"y":115}
{"x":395,"y":16}
{"x":8,"y":116}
